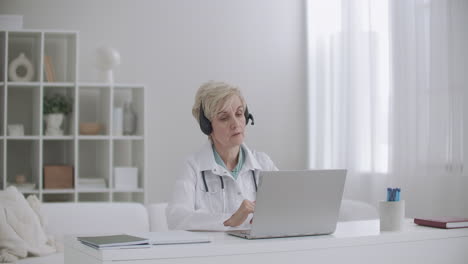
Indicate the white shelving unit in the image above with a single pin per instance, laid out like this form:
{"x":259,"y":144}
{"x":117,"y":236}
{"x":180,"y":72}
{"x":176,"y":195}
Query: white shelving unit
{"x":92,"y":156}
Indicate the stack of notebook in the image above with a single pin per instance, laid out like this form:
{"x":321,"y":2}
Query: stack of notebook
{"x":114,"y":241}
{"x":144,"y":239}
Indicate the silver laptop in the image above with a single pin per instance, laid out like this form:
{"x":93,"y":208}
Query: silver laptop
{"x":296,"y":203}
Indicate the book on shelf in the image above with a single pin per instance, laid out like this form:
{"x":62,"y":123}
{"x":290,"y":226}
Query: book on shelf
{"x":49,"y":69}
{"x":92,"y":183}
{"x":115,"y":241}
{"x":443,"y":222}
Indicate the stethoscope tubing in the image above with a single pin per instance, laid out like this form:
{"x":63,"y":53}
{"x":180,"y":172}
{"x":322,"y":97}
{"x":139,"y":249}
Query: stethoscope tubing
{"x":222,"y":186}
{"x":222,"y":181}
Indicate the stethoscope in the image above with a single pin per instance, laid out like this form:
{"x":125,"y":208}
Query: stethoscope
{"x":222,"y":186}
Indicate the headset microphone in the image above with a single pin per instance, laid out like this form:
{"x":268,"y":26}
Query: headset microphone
{"x":249,"y":116}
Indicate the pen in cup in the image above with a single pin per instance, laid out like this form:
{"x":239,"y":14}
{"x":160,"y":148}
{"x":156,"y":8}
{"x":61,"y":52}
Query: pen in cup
{"x":393,"y":194}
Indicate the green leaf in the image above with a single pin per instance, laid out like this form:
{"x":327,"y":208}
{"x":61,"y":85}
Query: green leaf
{"x":57,"y":103}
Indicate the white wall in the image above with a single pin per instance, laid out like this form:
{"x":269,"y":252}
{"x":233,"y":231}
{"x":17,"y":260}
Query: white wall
{"x":175,"y":45}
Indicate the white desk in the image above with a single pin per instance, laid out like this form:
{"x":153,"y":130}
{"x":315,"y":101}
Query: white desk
{"x":353,"y":242}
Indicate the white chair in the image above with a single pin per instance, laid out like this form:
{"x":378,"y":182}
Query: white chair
{"x":157,"y":216}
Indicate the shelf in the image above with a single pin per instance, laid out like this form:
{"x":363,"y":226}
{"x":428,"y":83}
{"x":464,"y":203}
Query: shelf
{"x":126,"y":153}
{"x":59,"y":84}
{"x":29,"y":44}
{"x":127,"y":137}
{"x":58,"y":137}
{"x":28,"y":191}
{"x":128,"y":196}
{"x":60,"y":57}
{"x":93,"y":190}
{"x":61,"y":197}
{"x":58,"y":152}
{"x":94,"y":107}
{"x":94,"y":159}
{"x":139,"y":190}
{"x":95,"y":85}
{"x":35,"y":31}
{"x":94,"y":196}
{"x":51,"y":191}
{"x":26,"y":113}
{"x":2,"y":57}
{"x":93,"y":137}
{"x":69,"y":93}
{"x":23,"y":138}
{"x":2,"y":109}
{"x":114,"y":85}
{"x":2,"y":165}
{"x":23,"y":158}
{"x":54,"y":57}
{"x":128,"y":86}
{"x":23,"y":84}
{"x":135,"y":95}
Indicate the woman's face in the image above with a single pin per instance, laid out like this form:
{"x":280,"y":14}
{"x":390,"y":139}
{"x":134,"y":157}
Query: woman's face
{"x":229,"y":124}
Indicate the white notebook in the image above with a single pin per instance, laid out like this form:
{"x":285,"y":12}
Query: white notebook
{"x":175,"y":237}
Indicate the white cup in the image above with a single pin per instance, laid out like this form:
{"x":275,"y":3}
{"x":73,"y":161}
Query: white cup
{"x":392,"y":215}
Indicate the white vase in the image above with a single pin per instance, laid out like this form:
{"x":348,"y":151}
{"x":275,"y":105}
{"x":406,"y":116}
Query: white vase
{"x":53,"y":123}
{"x":21,"y":69}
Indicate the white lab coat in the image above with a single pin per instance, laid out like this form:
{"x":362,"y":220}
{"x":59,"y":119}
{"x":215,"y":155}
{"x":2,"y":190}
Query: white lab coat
{"x":193,"y":208}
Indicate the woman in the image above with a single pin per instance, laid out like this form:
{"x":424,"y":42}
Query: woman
{"x":217,"y":188}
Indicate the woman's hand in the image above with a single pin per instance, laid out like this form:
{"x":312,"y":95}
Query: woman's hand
{"x":247,"y":207}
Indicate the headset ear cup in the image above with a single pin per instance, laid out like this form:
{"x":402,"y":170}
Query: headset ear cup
{"x":205,"y":123}
{"x":248,"y":116}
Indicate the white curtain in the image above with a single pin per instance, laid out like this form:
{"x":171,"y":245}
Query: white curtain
{"x":387,"y":83}
{"x":429,"y":116}
{"x":348,"y":96}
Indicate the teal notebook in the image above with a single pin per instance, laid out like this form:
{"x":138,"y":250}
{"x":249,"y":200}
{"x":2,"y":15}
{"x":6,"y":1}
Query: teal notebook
{"x":114,"y":241}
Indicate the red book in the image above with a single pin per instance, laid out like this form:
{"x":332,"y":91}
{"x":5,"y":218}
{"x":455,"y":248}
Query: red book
{"x":443,"y":222}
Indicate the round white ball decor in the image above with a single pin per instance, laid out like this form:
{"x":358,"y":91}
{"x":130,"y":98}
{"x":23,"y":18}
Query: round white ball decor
{"x":107,"y":59}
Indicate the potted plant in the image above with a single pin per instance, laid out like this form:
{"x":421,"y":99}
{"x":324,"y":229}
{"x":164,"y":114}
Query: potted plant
{"x":55,"y":107}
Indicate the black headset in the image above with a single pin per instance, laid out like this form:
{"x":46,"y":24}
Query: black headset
{"x":205,"y":123}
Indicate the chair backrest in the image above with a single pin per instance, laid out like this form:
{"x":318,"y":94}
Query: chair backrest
{"x":352,"y":210}
{"x":94,"y":217}
{"x":157,"y":216}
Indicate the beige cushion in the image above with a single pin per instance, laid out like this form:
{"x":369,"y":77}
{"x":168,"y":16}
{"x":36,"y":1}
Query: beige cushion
{"x":21,"y":232}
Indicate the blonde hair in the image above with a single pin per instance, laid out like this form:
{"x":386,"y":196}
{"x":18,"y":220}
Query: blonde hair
{"x":213,"y":95}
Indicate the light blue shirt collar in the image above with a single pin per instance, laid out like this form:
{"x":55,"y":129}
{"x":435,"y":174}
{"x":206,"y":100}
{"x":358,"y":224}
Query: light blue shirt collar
{"x":206,"y":160}
{"x":240,"y":162}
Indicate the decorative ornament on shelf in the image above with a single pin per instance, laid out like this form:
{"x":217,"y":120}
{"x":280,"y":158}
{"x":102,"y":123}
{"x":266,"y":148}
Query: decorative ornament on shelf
{"x":90,"y":128}
{"x":129,"y":119}
{"x":20,"y":178}
{"x":21,"y":69}
{"x":107,"y":59}
{"x":16,"y":130}
{"x":55,"y":108}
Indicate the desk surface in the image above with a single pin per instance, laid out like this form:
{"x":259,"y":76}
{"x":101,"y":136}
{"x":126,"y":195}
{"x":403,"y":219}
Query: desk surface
{"x":348,"y":234}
